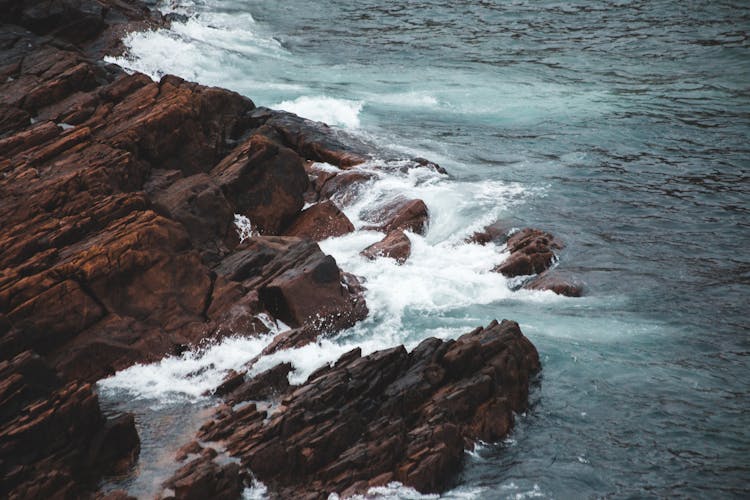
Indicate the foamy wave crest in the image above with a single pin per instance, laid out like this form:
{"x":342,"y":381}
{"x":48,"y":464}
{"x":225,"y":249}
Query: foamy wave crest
{"x":445,"y":278}
{"x":339,"y":112}
{"x":209,"y":47}
{"x":397,"y":491}
{"x":244,"y":227}
{"x":188,"y":377}
{"x":409,"y":99}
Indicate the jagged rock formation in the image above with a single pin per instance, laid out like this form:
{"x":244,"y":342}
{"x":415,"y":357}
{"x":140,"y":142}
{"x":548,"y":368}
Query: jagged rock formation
{"x":54,"y":441}
{"x":388,"y":416}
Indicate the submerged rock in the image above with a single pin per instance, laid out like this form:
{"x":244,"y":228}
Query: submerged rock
{"x":556,"y":282}
{"x":388,"y":416}
{"x":496,"y":233}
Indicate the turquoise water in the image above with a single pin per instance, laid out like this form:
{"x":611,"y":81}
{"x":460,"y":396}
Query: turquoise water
{"x":621,"y":126}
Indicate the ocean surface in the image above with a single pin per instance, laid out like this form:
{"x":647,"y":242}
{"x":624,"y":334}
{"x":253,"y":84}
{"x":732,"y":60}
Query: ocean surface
{"x":623,"y":127}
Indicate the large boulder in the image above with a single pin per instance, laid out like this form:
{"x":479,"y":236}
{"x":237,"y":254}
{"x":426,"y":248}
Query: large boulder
{"x":265,"y":182}
{"x":297,"y":282}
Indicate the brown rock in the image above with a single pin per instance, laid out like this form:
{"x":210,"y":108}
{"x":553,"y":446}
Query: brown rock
{"x":237,"y":311}
{"x":174,"y":124}
{"x":400,"y":213}
{"x":114,"y":495}
{"x":54,"y":441}
{"x":345,"y":186}
{"x":391,"y":415}
{"x":296,"y":282}
{"x":497,"y":233}
{"x":314,"y":295}
{"x":264,"y":181}
{"x":203,"y":478}
{"x":313,"y":140}
{"x":90,"y":277}
{"x":264,"y":385}
{"x":320,"y":221}
{"x":292,"y":339}
{"x":199,"y":204}
{"x":395,"y":245}
{"x":561,"y":285}
{"x":531,"y":252}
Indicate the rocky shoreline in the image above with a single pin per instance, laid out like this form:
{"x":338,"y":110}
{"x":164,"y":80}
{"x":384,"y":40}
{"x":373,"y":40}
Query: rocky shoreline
{"x":118,"y":199}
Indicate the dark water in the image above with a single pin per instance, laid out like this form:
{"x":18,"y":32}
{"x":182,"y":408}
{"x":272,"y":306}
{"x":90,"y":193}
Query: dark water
{"x":626,"y":125}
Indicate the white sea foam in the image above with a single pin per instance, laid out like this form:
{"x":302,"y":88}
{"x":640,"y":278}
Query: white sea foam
{"x":244,"y":227}
{"x":419,"y":99}
{"x":392,"y":491}
{"x":397,"y":491}
{"x":338,"y":112}
{"x":256,"y":491}
{"x":209,"y":47}
{"x":187,"y":377}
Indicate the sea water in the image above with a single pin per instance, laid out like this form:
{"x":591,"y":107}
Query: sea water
{"x":620,"y":126}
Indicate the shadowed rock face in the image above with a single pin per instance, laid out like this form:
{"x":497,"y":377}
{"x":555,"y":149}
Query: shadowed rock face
{"x":389,"y":416}
{"x":54,"y":441}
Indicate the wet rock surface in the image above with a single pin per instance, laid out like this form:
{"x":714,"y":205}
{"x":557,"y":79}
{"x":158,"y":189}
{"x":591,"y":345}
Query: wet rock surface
{"x":388,"y":416}
{"x":560,"y":283}
{"x":395,"y":245}
{"x":54,"y":440}
{"x":316,"y":143}
{"x":496,"y":233}
{"x":532,"y":251}
{"x":320,"y":221}
{"x":399,"y":213}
